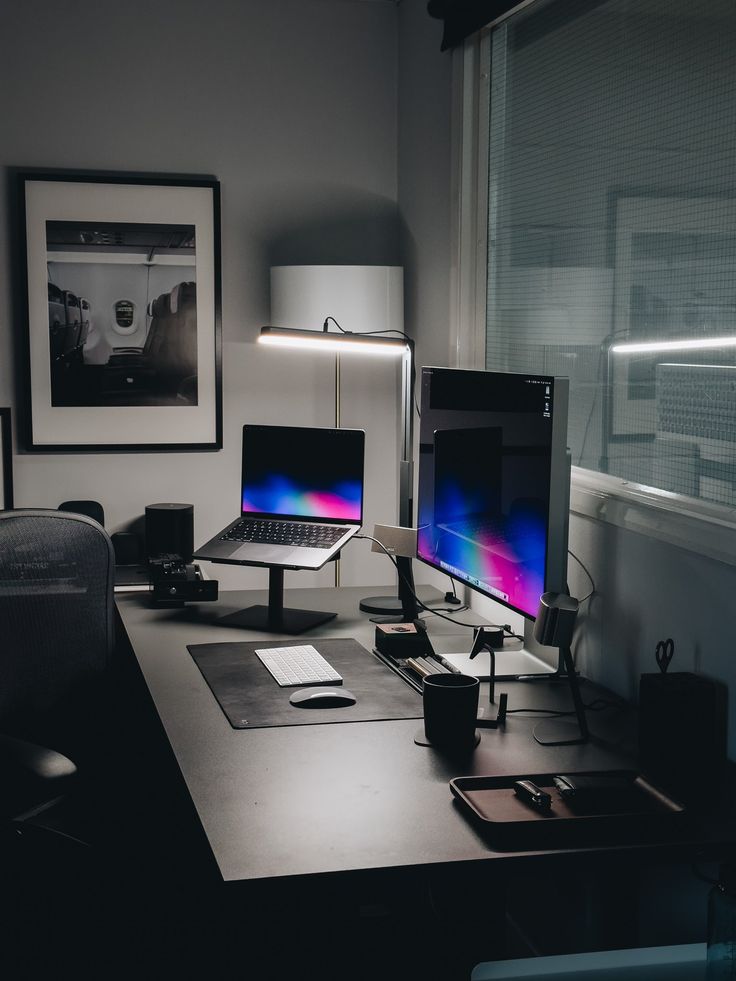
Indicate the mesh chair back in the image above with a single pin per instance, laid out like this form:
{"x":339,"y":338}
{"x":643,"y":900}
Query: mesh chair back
{"x":56,"y":626}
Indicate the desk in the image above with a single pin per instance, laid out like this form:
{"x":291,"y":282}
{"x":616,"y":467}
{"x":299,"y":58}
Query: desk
{"x":363,"y":796}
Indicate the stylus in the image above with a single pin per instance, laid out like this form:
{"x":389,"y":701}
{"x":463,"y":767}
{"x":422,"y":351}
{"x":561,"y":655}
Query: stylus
{"x":446,"y":664}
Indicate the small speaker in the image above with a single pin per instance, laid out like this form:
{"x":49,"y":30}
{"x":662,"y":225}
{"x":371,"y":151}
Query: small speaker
{"x":92,"y":509}
{"x":170,"y":530}
{"x":555,"y":619}
{"x":128,"y":548}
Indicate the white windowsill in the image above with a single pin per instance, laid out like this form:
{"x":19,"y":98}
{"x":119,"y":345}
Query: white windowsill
{"x":708,"y":529}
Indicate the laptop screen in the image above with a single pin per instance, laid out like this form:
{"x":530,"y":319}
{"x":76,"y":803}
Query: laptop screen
{"x":296,"y":472}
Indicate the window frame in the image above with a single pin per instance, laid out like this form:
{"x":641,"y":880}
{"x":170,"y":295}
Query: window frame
{"x":701,"y":527}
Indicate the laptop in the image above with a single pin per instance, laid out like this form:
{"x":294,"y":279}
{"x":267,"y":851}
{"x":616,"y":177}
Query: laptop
{"x":301,"y":498}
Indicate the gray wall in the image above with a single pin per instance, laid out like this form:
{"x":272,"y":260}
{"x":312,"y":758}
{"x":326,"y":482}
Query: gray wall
{"x":291,"y":104}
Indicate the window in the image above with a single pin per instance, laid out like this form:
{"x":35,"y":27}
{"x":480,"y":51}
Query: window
{"x":612,"y":229}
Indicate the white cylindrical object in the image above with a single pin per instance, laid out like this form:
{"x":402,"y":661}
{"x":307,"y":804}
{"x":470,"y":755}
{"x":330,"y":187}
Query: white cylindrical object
{"x":360,"y":298}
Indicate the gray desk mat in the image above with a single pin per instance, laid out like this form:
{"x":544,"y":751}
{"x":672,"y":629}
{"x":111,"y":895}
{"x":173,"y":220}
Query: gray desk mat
{"x":251,"y":699}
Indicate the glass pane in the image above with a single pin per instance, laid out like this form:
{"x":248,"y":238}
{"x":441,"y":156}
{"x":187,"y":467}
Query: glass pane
{"x":612,"y":223}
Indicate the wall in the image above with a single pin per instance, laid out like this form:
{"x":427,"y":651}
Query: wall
{"x":425,"y":180}
{"x":291,"y":104}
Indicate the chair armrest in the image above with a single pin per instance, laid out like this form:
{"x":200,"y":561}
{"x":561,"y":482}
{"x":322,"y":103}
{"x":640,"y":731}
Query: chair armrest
{"x":31,"y":776}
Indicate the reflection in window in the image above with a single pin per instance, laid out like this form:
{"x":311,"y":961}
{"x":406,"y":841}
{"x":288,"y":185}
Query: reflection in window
{"x":612,"y":230}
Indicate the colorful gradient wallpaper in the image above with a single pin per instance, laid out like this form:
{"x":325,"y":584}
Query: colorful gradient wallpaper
{"x":280,"y":494}
{"x":506,"y":561}
{"x":303,"y":472}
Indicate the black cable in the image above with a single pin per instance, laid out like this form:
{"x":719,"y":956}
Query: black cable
{"x":597,"y":705}
{"x":548,"y":713}
{"x":371,"y":333}
{"x":366,"y":333}
{"x":598,"y":390}
{"x":587,"y":573}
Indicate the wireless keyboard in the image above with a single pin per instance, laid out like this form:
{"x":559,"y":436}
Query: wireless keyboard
{"x":298,"y":665}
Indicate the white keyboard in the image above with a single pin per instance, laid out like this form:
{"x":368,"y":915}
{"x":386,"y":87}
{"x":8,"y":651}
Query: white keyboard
{"x":298,"y":665}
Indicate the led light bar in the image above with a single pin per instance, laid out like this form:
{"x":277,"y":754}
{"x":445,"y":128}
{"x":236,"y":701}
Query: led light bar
{"x":337,"y":343}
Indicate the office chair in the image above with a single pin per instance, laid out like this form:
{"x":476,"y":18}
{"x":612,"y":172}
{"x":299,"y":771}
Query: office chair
{"x":56,"y":625}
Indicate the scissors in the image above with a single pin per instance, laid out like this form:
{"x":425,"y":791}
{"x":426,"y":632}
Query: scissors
{"x":664,"y":651}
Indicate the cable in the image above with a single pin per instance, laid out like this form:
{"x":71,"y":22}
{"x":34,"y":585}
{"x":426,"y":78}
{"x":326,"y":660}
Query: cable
{"x":370,"y":333}
{"x":365,"y":333}
{"x":587,"y":573}
{"x":430,"y":609}
{"x":597,"y":705}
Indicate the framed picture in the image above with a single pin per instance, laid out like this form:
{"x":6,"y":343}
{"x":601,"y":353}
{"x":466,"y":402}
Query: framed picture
{"x":6,"y":461}
{"x":123,"y":311}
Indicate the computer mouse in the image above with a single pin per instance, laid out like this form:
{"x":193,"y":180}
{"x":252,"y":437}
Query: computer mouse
{"x":322,"y":698}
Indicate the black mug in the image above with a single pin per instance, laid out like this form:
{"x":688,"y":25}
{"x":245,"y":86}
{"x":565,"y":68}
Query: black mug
{"x":450,"y":710}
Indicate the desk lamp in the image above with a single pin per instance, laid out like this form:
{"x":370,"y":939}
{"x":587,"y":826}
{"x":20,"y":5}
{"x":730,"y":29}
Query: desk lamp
{"x":341,"y":342}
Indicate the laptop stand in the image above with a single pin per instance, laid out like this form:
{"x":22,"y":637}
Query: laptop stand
{"x":274,"y":618}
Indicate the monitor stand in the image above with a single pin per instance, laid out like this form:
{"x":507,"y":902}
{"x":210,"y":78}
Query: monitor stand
{"x":274,"y":618}
{"x":513,"y":660}
{"x":403,"y":607}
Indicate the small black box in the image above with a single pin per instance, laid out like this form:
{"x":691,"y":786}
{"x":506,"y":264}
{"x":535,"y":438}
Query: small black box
{"x":682,"y":734}
{"x":402,"y":640}
{"x":174,"y":583}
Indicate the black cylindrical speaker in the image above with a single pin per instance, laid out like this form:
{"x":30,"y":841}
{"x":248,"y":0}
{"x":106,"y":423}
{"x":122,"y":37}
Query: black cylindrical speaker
{"x":555,"y":619}
{"x":170,"y":530}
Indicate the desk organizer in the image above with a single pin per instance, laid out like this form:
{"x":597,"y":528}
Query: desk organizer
{"x":512,"y":824}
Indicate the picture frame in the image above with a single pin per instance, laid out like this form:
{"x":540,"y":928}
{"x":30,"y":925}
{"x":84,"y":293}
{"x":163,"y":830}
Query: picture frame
{"x":123,"y":298}
{"x":6,"y":460}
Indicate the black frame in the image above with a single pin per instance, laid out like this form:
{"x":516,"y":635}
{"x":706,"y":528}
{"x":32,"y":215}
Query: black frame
{"x":154,"y":199}
{"x":6,"y":455}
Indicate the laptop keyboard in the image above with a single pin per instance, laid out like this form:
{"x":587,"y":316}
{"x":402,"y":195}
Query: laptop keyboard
{"x":273,"y":532}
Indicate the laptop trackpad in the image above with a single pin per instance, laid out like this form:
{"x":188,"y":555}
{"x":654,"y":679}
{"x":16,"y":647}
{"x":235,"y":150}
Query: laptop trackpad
{"x":264,"y":554}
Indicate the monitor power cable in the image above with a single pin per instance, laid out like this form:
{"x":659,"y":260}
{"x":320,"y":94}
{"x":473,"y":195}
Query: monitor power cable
{"x":458,"y":623}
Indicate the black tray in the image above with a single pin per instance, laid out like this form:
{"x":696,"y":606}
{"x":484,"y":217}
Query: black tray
{"x":644,"y":812}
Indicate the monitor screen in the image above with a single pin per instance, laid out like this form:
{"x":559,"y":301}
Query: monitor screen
{"x":290,"y":471}
{"x":494,"y":482}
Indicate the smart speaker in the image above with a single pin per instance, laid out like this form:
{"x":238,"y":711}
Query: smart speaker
{"x":170,"y":530}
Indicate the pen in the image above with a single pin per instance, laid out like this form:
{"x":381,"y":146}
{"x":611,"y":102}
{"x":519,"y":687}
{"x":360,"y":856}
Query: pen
{"x":446,"y":664}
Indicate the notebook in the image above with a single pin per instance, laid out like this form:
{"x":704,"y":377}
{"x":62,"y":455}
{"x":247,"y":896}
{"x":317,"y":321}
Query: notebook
{"x":301,"y":498}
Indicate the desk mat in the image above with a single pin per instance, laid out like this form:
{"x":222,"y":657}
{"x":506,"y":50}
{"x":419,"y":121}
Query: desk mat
{"x":251,"y":699}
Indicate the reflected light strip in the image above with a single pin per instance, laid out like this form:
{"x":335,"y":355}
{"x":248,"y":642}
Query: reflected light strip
{"x":694,"y":344}
{"x":337,"y":343}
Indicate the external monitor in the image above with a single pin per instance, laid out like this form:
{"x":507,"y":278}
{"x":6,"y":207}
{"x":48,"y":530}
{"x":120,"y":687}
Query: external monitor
{"x":494,"y":480}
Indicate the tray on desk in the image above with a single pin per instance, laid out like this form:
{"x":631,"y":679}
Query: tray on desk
{"x":643,"y":812}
